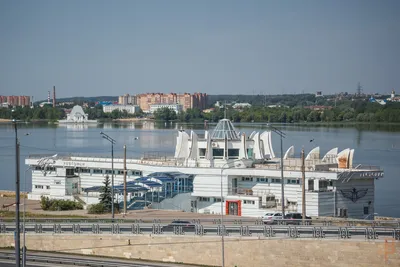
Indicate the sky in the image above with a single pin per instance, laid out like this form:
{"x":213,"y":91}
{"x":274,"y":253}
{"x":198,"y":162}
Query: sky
{"x":95,"y":48}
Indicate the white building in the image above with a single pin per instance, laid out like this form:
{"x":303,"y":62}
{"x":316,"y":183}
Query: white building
{"x":220,"y":170}
{"x":77,"y":115}
{"x":175,"y":107}
{"x":241,"y":105}
{"x":131,"y":109}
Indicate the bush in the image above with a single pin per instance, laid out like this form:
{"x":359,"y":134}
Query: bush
{"x":59,"y":204}
{"x":97,"y":209}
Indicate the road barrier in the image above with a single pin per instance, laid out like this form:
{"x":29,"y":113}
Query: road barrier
{"x":235,"y":230}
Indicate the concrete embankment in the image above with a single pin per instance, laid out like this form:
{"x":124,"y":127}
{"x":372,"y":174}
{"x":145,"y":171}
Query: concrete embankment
{"x":240,"y":252}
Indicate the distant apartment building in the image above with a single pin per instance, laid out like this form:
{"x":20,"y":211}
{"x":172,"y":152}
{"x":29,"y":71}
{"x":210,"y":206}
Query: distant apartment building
{"x":16,"y":100}
{"x":127,"y":100}
{"x":131,"y":109}
{"x":175,"y":107}
{"x":196,"y":100}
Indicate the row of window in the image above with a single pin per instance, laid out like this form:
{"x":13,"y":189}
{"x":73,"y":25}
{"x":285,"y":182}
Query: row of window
{"x":98,"y":171}
{"x":42,"y":186}
{"x":209,"y":199}
{"x":233,"y":153}
{"x":268,"y":180}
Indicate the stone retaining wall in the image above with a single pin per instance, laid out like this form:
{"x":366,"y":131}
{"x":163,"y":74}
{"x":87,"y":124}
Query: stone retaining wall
{"x":240,"y":252}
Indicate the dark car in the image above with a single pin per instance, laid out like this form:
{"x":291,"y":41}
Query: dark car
{"x":296,"y":218}
{"x":186,"y":226}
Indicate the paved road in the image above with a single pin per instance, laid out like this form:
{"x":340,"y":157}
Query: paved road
{"x":7,"y":258}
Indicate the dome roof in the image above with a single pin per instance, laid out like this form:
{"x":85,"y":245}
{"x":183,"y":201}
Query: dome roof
{"x":224,"y":129}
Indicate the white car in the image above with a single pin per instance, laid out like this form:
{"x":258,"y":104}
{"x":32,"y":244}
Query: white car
{"x":270,"y":218}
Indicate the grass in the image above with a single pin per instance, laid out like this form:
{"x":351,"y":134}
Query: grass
{"x":11,"y":214}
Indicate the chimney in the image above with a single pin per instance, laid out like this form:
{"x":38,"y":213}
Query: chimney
{"x":48,"y":97}
{"x":54,"y":96}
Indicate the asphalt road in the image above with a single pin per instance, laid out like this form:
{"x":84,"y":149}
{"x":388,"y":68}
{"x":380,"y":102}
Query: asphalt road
{"x":45,"y":259}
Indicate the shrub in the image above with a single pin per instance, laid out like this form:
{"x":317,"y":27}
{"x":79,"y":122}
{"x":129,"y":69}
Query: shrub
{"x":97,"y":209}
{"x":59,"y":204}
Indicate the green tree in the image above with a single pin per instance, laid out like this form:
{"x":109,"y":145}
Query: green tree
{"x":105,"y":194}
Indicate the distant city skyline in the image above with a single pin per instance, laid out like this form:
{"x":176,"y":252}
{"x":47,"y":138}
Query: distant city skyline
{"x":101,"y":48}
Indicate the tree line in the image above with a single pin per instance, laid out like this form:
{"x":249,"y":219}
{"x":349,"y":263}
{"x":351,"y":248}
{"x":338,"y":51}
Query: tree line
{"x":349,"y":111}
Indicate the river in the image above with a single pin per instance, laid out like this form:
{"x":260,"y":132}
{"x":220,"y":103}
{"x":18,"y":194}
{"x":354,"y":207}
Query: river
{"x":374,"y":145}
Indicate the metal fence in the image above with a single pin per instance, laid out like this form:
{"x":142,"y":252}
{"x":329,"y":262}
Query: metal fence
{"x":214,"y":229}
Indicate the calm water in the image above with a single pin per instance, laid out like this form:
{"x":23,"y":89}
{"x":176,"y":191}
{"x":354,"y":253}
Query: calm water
{"x":374,"y":145}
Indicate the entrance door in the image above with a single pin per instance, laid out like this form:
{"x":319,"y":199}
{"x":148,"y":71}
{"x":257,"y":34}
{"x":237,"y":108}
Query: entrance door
{"x":233,"y":207}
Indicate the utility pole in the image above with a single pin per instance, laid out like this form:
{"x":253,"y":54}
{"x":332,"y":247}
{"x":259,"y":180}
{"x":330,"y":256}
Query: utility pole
{"x":125,"y":179}
{"x":303,"y":185}
{"x":282,"y":135}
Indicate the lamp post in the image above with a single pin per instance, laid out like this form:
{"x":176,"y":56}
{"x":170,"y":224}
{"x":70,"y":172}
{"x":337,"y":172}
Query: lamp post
{"x":222,"y":212}
{"x":282,"y":135}
{"x":17,"y":198}
{"x":112,"y":141}
{"x":43,"y":162}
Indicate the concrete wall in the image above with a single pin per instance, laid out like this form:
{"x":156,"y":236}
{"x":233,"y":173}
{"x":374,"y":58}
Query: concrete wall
{"x":240,"y":252}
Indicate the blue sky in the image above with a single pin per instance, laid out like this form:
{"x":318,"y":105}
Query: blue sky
{"x":91,"y":48}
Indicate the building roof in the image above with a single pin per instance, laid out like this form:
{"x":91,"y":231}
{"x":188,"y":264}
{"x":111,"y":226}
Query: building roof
{"x":225,"y":129}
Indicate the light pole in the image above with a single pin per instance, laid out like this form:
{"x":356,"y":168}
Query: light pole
{"x":43,"y":162}
{"x":112,"y":141}
{"x":222,"y":213}
{"x":282,"y":135}
{"x":17,"y":198}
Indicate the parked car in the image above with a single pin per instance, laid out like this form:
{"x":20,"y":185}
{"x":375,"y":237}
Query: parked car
{"x":271,"y":218}
{"x":296,"y":218}
{"x":186,"y":226}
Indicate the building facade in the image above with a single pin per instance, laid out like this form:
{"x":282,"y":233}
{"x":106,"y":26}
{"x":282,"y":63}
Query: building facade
{"x":127,"y":99}
{"x":16,"y":100}
{"x":175,"y":107}
{"x":188,"y":101}
{"x":131,"y":109}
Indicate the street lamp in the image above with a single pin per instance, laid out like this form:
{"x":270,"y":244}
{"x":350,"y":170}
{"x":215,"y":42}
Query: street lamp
{"x":222,"y":212}
{"x":43,"y":162}
{"x":112,"y":141}
{"x":282,"y":135}
{"x":17,"y":197}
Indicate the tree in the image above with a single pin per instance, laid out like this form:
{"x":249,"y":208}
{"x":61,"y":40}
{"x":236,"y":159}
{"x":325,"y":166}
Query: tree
{"x":105,"y":194}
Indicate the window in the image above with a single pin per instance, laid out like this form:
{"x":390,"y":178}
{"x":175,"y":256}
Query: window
{"x":250,"y":153}
{"x":202,"y":153}
{"x":136,"y":173}
{"x":216,"y":199}
{"x":97,"y":171}
{"x":204,"y":199}
{"x":276,"y":181}
{"x":218,"y":153}
{"x":69,"y":172}
{"x":57,"y":182}
{"x":47,"y":186}
{"x":233,"y":153}
{"x":39,"y":186}
{"x":108,"y":171}
{"x":250,"y":202}
{"x":310,"y":185}
{"x":366,"y":210}
{"x":82,"y":170}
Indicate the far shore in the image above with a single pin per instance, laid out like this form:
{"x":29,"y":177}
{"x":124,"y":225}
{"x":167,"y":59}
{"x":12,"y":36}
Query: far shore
{"x":134,"y":119}
{"x":5,"y":120}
